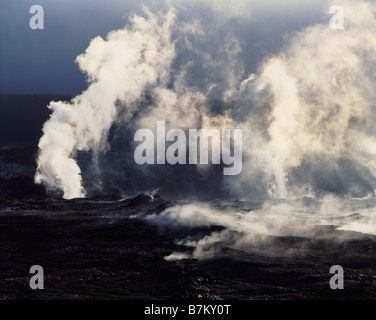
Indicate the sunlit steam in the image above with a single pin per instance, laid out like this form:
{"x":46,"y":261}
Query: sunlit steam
{"x":307,"y":116}
{"x":119,"y":69}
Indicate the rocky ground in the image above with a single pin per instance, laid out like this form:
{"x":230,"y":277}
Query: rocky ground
{"x":93,"y":250}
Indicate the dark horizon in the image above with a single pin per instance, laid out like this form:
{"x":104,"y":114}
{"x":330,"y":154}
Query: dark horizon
{"x":22,"y":117}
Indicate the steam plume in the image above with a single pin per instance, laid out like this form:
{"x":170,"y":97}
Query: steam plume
{"x":307,"y":114}
{"x":119,"y":69}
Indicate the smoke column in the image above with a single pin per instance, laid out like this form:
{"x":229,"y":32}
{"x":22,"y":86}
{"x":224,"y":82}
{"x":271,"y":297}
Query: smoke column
{"x":307,"y":113}
{"x":316,"y":99}
{"x":119,"y":69}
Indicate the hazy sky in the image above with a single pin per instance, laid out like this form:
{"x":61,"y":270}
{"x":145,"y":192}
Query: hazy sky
{"x":42,"y":61}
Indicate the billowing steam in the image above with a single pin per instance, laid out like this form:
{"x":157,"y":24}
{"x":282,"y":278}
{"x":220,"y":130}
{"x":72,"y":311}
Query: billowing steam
{"x":307,"y":114}
{"x":321,"y":96}
{"x":259,"y":229}
{"x":119,"y":70}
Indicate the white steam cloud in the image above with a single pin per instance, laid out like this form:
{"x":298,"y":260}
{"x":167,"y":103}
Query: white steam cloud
{"x":307,"y":116}
{"x":312,"y":102}
{"x":119,"y":69}
{"x":317,"y":99}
